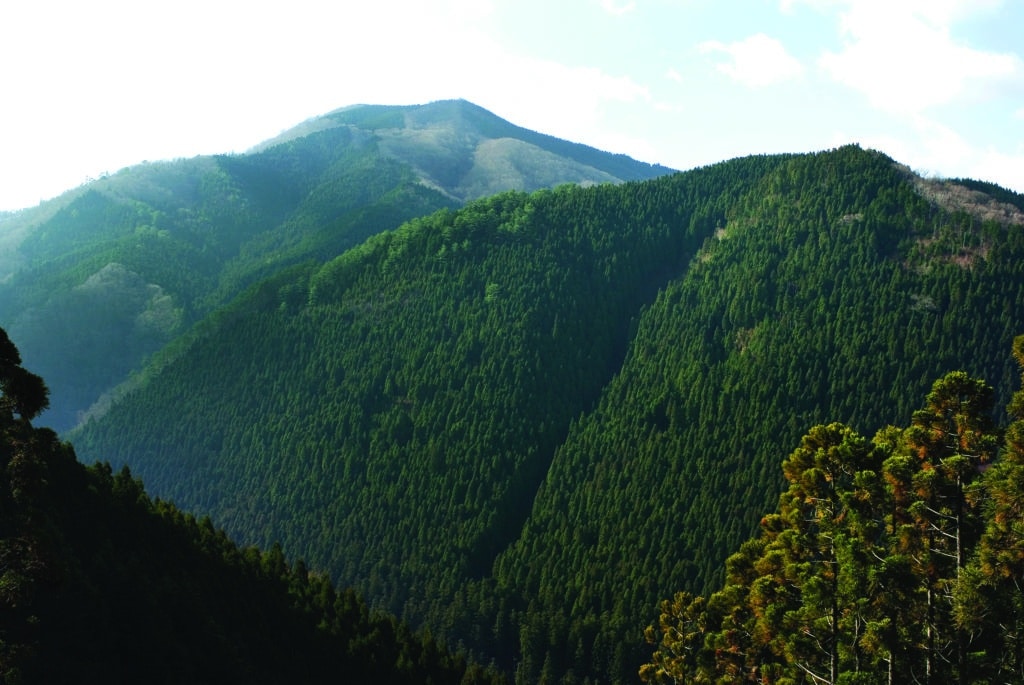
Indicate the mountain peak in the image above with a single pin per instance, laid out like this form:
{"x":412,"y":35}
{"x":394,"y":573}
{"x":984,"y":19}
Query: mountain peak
{"x":187,"y":235}
{"x":449,"y":144}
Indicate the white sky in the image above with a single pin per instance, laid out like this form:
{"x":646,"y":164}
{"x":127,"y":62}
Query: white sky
{"x":88,"y":87}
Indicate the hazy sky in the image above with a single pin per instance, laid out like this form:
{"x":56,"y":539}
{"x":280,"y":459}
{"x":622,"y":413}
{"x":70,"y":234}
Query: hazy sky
{"x":88,"y":87}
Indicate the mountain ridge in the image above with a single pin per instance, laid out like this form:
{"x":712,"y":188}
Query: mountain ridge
{"x":522,"y":420}
{"x":201,"y":230}
{"x":410,"y":133}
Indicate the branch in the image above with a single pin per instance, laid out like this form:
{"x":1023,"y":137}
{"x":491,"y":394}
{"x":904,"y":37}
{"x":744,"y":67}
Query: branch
{"x":817,"y":678}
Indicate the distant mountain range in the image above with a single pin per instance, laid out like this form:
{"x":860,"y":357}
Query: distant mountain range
{"x":519,"y":418}
{"x":126,"y":263}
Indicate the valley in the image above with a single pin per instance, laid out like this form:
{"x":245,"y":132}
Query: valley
{"x":514,"y":401}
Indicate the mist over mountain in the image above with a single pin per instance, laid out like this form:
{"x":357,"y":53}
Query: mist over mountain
{"x":126,"y":263}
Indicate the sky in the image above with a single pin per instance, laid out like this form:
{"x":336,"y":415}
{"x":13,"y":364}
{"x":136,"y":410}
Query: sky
{"x":87,"y":88}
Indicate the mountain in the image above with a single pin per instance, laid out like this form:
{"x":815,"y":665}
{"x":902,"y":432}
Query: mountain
{"x":524,"y":422}
{"x":99,"y":583}
{"x":127,"y":263}
{"x":466,"y":152}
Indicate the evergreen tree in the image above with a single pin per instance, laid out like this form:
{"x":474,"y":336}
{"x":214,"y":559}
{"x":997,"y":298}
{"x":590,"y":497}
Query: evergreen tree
{"x":989,"y":599}
{"x":891,"y":560}
{"x":953,"y":438}
{"x":99,"y":584}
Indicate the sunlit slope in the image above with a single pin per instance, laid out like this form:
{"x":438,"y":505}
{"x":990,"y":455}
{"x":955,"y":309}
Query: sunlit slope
{"x":521,"y":421}
{"x":128,"y":262}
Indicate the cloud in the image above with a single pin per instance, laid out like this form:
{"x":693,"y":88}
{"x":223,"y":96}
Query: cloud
{"x":756,"y":61}
{"x":933,"y":149}
{"x":942,"y":11}
{"x":613,"y":9}
{"x":903,"y":58}
{"x":947,"y":153}
{"x":1006,"y":169}
{"x":150,"y":82}
{"x":949,"y":106}
{"x":577,"y":96}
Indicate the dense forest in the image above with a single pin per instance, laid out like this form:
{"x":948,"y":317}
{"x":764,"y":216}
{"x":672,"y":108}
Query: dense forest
{"x":894,"y":559}
{"x":127,"y":263}
{"x":99,"y":583}
{"x":524,"y":422}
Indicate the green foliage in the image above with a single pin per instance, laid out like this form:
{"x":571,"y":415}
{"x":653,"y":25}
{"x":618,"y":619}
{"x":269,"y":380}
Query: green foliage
{"x":182,"y":243}
{"x":991,"y":189}
{"x":872,"y":570}
{"x":521,"y":421}
{"x":796,"y":312}
{"x":99,"y":583}
{"x":186,"y":237}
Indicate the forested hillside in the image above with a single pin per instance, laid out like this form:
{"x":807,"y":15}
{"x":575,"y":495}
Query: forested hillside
{"x":127,"y":263}
{"x":891,"y":560}
{"x":101,"y":584}
{"x":525,"y":422}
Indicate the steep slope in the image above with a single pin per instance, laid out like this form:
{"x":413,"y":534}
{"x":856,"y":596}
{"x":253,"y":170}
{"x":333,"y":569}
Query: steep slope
{"x":526,"y":421}
{"x":130,"y":261}
{"x":833,"y":292}
{"x":433,"y":362}
{"x":100,"y":584}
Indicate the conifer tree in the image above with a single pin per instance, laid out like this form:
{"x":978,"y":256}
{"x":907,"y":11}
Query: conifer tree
{"x":989,"y":602}
{"x":862,"y":575}
{"x":953,"y":438}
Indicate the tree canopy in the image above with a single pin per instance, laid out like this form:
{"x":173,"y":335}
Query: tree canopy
{"x":519,"y":422}
{"x":894,"y":559}
{"x":101,"y":583}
